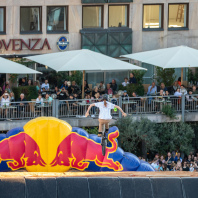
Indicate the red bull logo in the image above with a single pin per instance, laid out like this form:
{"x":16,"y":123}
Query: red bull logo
{"x":87,"y":151}
{"x":20,"y":151}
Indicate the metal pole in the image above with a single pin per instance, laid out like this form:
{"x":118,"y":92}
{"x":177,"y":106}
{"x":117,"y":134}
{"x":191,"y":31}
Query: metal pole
{"x":183,"y":108}
{"x":55,"y":109}
{"x":83,"y":85}
{"x":120,"y":105}
{"x":182,"y":75}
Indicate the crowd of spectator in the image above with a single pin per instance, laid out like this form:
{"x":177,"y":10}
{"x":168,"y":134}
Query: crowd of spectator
{"x":175,"y":162}
{"x":71,"y":91}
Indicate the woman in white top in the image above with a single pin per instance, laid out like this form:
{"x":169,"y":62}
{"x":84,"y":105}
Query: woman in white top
{"x":105,"y":113}
{"x":39,"y":100}
{"x":5,"y":102}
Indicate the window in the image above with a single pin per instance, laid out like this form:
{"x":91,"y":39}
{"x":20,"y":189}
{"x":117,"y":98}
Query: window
{"x":152,"y":16}
{"x":57,"y":19}
{"x":2,"y":20}
{"x":178,"y":15}
{"x":31,"y":18}
{"x":92,"y":16}
{"x":118,"y":16}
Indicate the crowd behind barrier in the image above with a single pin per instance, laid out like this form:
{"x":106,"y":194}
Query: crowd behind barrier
{"x":69,"y":104}
{"x":175,"y":161}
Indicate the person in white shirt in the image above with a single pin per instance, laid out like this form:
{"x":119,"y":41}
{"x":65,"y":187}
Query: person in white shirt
{"x":177,"y":93}
{"x":39,"y":100}
{"x":45,"y":85}
{"x":5,"y":102}
{"x":125,"y":83}
{"x":105,"y":113}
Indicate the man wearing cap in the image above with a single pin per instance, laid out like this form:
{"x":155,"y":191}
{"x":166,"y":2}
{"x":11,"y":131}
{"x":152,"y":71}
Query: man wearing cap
{"x":105,"y":113}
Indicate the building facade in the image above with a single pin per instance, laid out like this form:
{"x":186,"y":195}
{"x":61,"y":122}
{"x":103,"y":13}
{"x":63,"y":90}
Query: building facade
{"x":111,"y":27}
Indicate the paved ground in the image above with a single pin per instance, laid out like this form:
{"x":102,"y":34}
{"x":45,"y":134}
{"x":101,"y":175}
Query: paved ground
{"x":74,"y":173}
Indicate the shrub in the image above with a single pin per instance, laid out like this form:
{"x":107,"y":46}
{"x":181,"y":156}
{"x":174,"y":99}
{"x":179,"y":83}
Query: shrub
{"x":169,"y":111}
{"x":91,"y":130}
{"x":137,"y":136}
{"x":30,"y":92}
{"x":174,"y":136}
{"x":143,"y":135}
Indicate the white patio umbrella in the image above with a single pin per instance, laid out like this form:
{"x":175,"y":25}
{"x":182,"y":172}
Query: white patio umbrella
{"x":11,"y":67}
{"x":82,"y":60}
{"x":174,"y":57}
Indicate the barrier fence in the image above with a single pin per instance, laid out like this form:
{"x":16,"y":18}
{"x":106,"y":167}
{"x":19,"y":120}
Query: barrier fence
{"x":77,"y":108}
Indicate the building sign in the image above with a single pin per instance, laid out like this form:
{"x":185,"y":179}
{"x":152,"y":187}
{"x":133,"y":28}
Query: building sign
{"x":62,"y":43}
{"x":20,"y":44}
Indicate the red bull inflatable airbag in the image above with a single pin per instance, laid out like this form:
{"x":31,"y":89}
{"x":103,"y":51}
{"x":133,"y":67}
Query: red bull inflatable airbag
{"x":48,"y":144}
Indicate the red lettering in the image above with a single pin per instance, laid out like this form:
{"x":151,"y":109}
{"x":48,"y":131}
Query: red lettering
{"x":34,"y":46}
{"x":5,"y":45}
{"x":0,"y":44}
{"x":24,"y":43}
{"x":14,"y":44}
{"x":46,"y":43}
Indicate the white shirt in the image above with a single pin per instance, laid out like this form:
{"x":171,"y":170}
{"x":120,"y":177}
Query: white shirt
{"x":124,"y":84}
{"x":39,"y":101}
{"x":105,"y":112}
{"x":5,"y":102}
{"x":178,"y":94}
{"x":46,"y":86}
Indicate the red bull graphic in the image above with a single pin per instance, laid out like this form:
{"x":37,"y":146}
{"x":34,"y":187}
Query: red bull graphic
{"x":48,"y":144}
{"x":88,"y":150}
{"x":20,"y":151}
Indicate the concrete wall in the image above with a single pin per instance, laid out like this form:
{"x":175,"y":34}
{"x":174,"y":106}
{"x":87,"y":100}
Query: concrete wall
{"x":142,"y":40}
{"x":90,"y":122}
{"x":150,"y":40}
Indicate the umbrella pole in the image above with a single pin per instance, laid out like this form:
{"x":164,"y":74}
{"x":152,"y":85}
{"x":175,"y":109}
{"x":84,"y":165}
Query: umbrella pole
{"x":83,"y":85}
{"x":182,"y":75}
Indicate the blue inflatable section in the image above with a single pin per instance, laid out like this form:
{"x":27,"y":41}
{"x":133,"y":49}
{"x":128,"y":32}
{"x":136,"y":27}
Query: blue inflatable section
{"x":129,"y":161}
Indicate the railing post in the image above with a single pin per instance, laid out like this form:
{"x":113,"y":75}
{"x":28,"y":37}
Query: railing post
{"x":183,"y":107}
{"x":120,"y":105}
{"x":55,"y":109}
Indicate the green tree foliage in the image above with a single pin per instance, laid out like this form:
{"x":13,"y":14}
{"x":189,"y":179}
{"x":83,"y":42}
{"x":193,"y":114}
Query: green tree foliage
{"x":91,"y":130}
{"x":59,"y":77}
{"x":174,"y":136}
{"x":167,"y":76}
{"x":30,"y":92}
{"x":134,"y":133}
{"x":193,"y":76}
{"x":159,"y":138}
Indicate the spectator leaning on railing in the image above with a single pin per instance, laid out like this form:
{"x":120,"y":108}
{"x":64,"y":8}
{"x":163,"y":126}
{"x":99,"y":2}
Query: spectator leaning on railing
{"x":39,"y":100}
{"x":48,"y":99}
{"x":177,"y":93}
{"x":5,"y":100}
